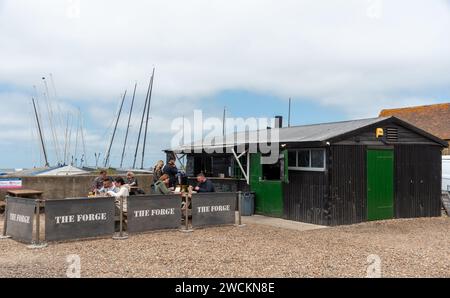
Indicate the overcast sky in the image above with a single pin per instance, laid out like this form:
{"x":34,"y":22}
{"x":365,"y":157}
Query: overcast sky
{"x":338,"y":60}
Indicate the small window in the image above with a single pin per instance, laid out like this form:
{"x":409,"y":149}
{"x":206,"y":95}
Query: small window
{"x":317,"y":158}
{"x":307,"y":159}
{"x":271,"y":171}
{"x":303,"y":158}
{"x":292,"y":158}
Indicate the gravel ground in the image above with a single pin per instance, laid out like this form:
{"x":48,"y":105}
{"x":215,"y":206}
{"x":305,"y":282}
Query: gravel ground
{"x":407,"y":248}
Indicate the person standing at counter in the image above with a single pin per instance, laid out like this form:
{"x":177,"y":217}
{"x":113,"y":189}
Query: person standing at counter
{"x":204,"y":184}
{"x":122,"y":190}
{"x":171,"y":170}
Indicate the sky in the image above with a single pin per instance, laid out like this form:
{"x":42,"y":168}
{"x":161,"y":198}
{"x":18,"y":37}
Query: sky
{"x":336,"y":59}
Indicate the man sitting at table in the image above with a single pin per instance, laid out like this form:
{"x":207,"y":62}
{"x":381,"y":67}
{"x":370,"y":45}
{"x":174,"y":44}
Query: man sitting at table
{"x":107,"y":186}
{"x":98,"y":181}
{"x":204,"y":185}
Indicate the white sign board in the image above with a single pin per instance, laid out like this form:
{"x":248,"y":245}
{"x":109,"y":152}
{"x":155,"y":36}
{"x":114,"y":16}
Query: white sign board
{"x":10,"y":183}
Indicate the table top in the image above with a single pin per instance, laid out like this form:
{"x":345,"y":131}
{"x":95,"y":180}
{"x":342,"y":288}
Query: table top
{"x":23,"y":192}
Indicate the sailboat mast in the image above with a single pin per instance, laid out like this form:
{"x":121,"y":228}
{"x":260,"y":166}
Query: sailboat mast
{"x":128,"y":126}
{"x":50,"y":119}
{"x":40,"y":133}
{"x":140,"y":127}
{"x":115,"y":129}
{"x":85,"y":157}
{"x":148,"y":116}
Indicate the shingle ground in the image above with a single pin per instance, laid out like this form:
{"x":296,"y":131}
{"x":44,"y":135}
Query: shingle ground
{"x":407,"y":248}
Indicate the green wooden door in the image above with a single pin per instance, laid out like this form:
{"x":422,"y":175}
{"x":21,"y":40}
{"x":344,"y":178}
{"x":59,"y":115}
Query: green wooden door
{"x":269,"y":194}
{"x":380,"y":184}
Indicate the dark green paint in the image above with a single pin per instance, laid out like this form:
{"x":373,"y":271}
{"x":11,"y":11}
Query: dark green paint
{"x":269,"y":194}
{"x":380,"y":184}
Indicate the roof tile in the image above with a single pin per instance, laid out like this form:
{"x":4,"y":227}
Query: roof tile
{"x":434,"y":119}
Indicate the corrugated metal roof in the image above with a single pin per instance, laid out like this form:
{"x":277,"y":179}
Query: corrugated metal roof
{"x":304,"y":133}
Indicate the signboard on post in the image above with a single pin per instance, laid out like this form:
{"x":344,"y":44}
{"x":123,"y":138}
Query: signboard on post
{"x":10,"y":183}
{"x":19,"y":218}
{"x":212,"y":209}
{"x":79,"y":218}
{"x":154,"y":212}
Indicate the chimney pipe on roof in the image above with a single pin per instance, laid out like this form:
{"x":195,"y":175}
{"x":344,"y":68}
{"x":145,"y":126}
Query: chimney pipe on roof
{"x":278,"y":121}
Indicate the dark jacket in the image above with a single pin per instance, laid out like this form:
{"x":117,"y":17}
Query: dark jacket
{"x":172,"y":172}
{"x":206,"y":186}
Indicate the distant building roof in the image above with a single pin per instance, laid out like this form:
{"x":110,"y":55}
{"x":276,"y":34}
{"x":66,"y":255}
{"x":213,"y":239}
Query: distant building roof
{"x":63,"y":171}
{"x":434,"y":119}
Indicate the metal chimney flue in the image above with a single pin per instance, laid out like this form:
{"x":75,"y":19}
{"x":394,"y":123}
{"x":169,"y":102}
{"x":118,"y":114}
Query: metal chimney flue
{"x":278,"y":121}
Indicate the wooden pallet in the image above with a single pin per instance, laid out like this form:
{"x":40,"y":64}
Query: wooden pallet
{"x":445,"y":198}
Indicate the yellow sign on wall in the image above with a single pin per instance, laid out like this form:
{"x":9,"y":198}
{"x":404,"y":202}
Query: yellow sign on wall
{"x":379,"y":132}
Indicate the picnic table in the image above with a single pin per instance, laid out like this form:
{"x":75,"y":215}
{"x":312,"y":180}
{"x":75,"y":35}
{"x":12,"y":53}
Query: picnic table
{"x":25,"y":193}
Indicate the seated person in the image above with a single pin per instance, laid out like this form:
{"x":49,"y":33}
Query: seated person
{"x":97,"y":184}
{"x":161,"y":186}
{"x":131,"y":179}
{"x":204,"y":185}
{"x":133,"y":183}
{"x":122,"y":190}
{"x":107,"y":186}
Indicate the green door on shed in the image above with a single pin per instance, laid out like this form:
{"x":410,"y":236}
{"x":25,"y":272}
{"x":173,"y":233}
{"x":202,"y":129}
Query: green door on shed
{"x":269,"y":193}
{"x":380,"y":184}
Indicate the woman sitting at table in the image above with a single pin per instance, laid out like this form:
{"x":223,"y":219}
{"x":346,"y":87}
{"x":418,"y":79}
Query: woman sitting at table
{"x":161,"y":186}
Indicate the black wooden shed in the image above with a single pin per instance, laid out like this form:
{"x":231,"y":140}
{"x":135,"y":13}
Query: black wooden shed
{"x":345,"y":172}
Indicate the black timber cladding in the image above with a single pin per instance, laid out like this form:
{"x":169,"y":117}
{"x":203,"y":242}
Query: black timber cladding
{"x":394,"y":134}
{"x":339,"y":195}
{"x":334,"y":197}
{"x":418,"y":172}
{"x":348,"y":185}
{"x":304,"y":197}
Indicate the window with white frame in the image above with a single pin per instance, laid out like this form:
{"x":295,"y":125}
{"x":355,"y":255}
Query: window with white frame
{"x":307,"y":159}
